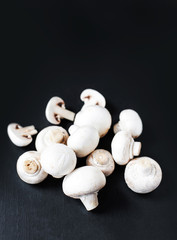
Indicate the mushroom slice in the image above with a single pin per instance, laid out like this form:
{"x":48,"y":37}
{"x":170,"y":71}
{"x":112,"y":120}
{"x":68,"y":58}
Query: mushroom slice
{"x":143,"y":175}
{"x":124,"y":148}
{"x":20,"y":136}
{"x":92,"y":97}
{"x":129,"y":121}
{"x":101,"y":159}
{"x":49,"y":136}
{"x":55,"y":111}
{"x":29,"y":168}
{"x":58,"y":160}
{"x":84,"y":183}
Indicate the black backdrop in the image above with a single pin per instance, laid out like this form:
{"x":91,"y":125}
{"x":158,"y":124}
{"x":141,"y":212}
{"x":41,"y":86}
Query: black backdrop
{"x":127,"y":51}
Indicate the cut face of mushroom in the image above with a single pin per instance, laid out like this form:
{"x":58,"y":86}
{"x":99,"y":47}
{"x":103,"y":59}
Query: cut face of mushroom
{"x":49,"y":136}
{"x":58,"y":160}
{"x":129,"y":121}
{"x":143,"y":175}
{"x":83,"y":140}
{"x":29,"y":168}
{"x":101,"y":159}
{"x":84,"y":183}
{"x":124,"y":148}
{"x":92,"y":97}
{"x":95,"y":116}
{"x":20,"y":136}
{"x":55,"y":111}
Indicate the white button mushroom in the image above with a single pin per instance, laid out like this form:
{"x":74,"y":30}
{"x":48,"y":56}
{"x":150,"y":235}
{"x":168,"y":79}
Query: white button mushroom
{"x":50,"y":135}
{"x":124,"y":148}
{"x":129,"y":121}
{"x":58,"y":160}
{"x":20,"y":136}
{"x":55,"y":111}
{"x":84,"y":183}
{"x":143,"y":175}
{"x":95,"y":116}
{"x":83,"y":140}
{"x":29,"y":168}
{"x":101,"y":159}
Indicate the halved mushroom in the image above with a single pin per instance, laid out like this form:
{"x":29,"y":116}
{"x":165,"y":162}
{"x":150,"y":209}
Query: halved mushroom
{"x":84,"y":183}
{"x":20,"y":136}
{"x":29,"y":168}
{"x":55,"y":111}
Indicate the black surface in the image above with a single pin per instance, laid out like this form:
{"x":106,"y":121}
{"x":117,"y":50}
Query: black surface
{"x":127,"y":52}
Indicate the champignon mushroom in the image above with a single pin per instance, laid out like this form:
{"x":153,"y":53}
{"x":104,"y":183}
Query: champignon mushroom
{"x":58,"y":160}
{"x":101,"y":159}
{"x":55,"y":111}
{"x":143,"y":175}
{"x":124,"y":148}
{"x":95,"y":116}
{"x":50,"y":135}
{"x":20,"y":136}
{"x":29,"y":168}
{"x":92,"y":97}
{"x":84,"y":183}
{"x":83,"y":140}
{"x":129,"y":121}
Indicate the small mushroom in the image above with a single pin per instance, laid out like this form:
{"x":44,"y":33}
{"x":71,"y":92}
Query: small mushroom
{"x":92,"y":97}
{"x":55,"y":111}
{"x":124,"y":148}
{"x":129,"y":121}
{"x":101,"y":159}
{"x":50,"y":135}
{"x":20,"y":136}
{"x":84,"y":183}
{"x":83,"y":140}
{"x":29,"y":168}
{"x":58,"y":160}
{"x":143,"y":175}
{"x":95,"y":116}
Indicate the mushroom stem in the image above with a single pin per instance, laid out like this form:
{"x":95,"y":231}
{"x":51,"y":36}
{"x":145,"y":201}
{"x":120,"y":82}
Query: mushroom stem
{"x":136,"y":148}
{"x":117,"y":128}
{"x":90,"y":201}
{"x":64,"y":113}
{"x":30,"y":130}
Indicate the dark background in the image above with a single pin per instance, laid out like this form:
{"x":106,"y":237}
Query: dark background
{"x":127,"y":51}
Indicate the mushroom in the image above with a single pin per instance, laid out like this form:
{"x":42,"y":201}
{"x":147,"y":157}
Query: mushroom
{"x":58,"y":160}
{"x":92,"y":97}
{"x":83,"y":140}
{"x":129,"y":121}
{"x":50,"y":135}
{"x":84,"y":183}
{"x":20,"y":136}
{"x":124,"y":148}
{"x":95,"y":116}
{"x":55,"y":111}
{"x":29,"y":168}
{"x":101,"y":159}
{"x":143,"y":175}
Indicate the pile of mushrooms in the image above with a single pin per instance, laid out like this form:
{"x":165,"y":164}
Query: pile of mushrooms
{"x":57,"y":150}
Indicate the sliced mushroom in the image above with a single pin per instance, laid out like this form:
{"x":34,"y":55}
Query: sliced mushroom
{"x":124,"y":148}
{"x":55,"y":111}
{"x":101,"y":159}
{"x":20,"y":136}
{"x":29,"y":168}
{"x":84,"y":183}
{"x":143,"y":175}
{"x":50,"y":135}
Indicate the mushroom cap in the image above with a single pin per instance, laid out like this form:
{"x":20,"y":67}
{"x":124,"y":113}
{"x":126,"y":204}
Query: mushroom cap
{"x":83,"y":181}
{"x":95,"y":116}
{"x":58,"y":160}
{"x":143,"y":175}
{"x":92,"y":97}
{"x":83,"y":140}
{"x":50,"y":135}
{"x":29,"y":168}
{"x":101,"y":159}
